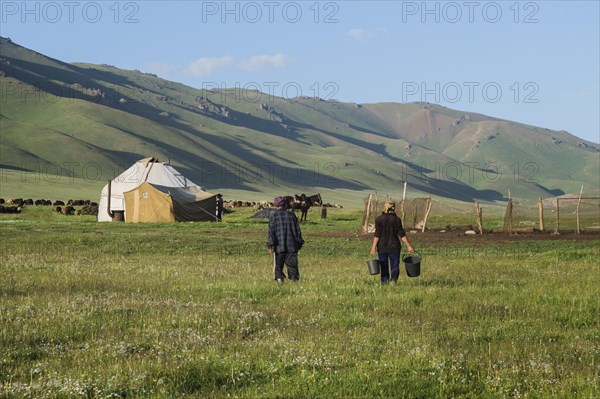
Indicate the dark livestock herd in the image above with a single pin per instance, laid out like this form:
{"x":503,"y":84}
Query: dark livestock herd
{"x":86,"y":207}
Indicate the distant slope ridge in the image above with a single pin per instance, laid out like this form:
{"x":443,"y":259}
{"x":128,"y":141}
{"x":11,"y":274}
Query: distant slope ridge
{"x":77,"y":115}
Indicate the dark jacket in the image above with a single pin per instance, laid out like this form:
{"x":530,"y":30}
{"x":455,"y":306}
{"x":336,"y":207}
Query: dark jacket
{"x":284,"y":232}
{"x":388,"y":227}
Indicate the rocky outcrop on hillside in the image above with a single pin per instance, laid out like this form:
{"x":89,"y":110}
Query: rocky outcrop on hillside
{"x":275,"y":116}
{"x":588,"y":147}
{"x":210,"y":108}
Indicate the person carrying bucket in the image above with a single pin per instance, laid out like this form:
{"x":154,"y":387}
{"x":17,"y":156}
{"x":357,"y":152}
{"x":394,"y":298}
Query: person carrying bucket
{"x":386,"y":242}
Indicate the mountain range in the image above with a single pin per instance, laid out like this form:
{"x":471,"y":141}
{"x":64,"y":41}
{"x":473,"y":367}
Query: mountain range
{"x":93,"y":121}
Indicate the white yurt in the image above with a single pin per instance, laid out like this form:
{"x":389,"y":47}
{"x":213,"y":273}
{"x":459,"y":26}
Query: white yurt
{"x":154,"y":191}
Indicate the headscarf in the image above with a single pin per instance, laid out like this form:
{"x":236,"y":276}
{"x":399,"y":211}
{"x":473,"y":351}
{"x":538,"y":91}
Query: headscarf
{"x":389,"y":207}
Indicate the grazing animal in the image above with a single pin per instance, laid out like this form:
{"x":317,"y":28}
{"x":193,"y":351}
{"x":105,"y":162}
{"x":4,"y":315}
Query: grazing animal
{"x":303,"y":203}
{"x":68,"y":210}
{"x":18,"y":202}
{"x":89,"y":210}
{"x":10,"y":209}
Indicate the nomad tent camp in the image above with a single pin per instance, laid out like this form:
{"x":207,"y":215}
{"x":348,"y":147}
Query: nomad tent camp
{"x":153,"y":191}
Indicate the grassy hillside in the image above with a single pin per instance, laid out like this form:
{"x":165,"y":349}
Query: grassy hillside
{"x":77,"y":119}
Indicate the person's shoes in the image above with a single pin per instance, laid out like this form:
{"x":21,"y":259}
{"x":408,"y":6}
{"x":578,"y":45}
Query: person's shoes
{"x":395,"y":280}
{"x":280,"y":282}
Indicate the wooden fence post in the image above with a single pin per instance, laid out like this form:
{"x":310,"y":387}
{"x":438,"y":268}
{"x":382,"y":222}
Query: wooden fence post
{"x":510,"y":209}
{"x":557,"y":228}
{"x":426,"y":214}
{"x":479,"y":217}
{"x":577,"y":212}
{"x":402,"y":214}
{"x":367,"y":214}
{"x":541,"y":213}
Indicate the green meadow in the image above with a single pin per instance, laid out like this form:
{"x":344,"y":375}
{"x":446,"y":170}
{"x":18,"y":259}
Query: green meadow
{"x":190,"y":310}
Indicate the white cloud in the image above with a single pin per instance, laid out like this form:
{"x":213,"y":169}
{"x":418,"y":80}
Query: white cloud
{"x":259,"y":62}
{"x":206,"y":66}
{"x":199,"y":67}
{"x":162,"y":69}
{"x":359,"y":34}
{"x":365,"y":35}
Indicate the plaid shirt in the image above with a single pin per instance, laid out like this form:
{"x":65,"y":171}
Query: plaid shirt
{"x":284,"y":232}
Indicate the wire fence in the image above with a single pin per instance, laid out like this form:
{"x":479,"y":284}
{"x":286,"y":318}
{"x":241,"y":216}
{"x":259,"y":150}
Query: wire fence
{"x":579,"y":214}
{"x":413,"y":212}
{"x":552,"y":215}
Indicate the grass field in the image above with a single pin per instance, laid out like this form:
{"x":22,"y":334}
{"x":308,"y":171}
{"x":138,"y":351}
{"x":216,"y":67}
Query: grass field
{"x":190,"y":310}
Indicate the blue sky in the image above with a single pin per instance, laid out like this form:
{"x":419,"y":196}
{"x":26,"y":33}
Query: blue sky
{"x":535,"y":62}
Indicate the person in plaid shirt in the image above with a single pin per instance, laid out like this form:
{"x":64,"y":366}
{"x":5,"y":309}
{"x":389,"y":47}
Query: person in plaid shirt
{"x":284,"y":240}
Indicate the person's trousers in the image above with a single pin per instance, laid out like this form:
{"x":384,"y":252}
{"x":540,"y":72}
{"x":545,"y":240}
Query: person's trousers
{"x":290,"y":259}
{"x":394,"y":264}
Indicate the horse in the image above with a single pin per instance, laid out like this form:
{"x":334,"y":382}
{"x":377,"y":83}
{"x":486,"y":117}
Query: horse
{"x":304,"y":203}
